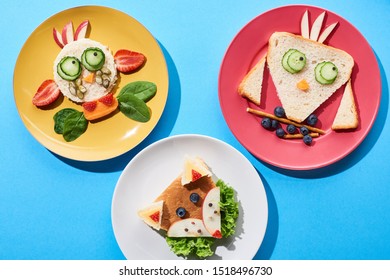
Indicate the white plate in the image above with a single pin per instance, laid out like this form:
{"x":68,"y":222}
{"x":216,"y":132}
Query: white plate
{"x":154,"y":168}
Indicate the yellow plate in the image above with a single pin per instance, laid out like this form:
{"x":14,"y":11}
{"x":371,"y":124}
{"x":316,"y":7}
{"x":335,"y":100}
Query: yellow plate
{"x":111,"y":136}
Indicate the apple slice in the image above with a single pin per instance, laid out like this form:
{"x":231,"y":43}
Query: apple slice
{"x":327,"y":32}
{"x":67,"y":33}
{"x":305,"y":25}
{"x":58,"y":38}
{"x":152,"y":214}
{"x":190,"y":227}
{"x":81,"y":30}
{"x":211,"y":213}
{"x":316,"y":28}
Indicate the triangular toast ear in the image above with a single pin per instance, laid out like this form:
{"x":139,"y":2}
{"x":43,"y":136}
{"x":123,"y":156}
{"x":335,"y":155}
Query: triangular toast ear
{"x":346,"y":116}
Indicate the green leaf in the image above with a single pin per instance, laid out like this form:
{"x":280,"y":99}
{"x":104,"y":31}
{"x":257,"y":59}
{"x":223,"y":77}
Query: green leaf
{"x":133,"y":107}
{"x":142,"y":89}
{"x":59,"y":119}
{"x":75,"y":125}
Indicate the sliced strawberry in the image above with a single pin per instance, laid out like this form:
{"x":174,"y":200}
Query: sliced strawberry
{"x":155,"y":216}
{"x":217,"y":234}
{"x":46,"y":94}
{"x":128,"y":61}
{"x":195,"y":175}
{"x":90,"y":106}
{"x":107,"y":100}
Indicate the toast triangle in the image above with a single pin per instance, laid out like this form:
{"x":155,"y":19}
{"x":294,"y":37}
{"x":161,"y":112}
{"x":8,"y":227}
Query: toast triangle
{"x":251,"y":85}
{"x":299,"y":104}
{"x":346,"y":116}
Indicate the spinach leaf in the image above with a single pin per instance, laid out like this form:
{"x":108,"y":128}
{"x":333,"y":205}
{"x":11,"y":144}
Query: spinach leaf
{"x":142,"y":89}
{"x":75,"y":125}
{"x":133,"y":107}
{"x":59,"y":119}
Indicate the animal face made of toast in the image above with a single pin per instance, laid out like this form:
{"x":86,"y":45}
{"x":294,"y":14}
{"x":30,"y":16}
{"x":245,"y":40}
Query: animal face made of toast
{"x":189,"y":206}
{"x":305,"y":72}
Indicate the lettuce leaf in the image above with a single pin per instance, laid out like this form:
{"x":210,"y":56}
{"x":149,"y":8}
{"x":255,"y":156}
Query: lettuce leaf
{"x":229,"y":209}
{"x":202,"y":246}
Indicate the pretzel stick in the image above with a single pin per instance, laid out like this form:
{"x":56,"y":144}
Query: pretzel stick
{"x":300,"y":136}
{"x":283,"y":120}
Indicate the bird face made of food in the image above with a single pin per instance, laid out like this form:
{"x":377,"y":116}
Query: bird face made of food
{"x":85,"y":70}
{"x":190,"y":209}
{"x":308,"y":72}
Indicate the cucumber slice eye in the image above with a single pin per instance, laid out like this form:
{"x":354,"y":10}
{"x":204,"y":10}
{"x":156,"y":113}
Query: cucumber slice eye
{"x":69,"y":68}
{"x":93,"y":59}
{"x":293,"y":61}
{"x":326,"y":72}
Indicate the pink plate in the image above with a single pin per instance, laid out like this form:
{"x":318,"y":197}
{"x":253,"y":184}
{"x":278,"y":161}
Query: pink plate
{"x":246,"y":49}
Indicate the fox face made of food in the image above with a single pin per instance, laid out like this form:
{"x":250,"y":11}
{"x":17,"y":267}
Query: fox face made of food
{"x":189,"y":206}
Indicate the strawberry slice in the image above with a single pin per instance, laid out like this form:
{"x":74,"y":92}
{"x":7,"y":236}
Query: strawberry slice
{"x":90,"y":106}
{"x":47,"y":93}
{"x":155,"y":216}
{"x":107,"y":100}
{"x":195,"y":175}
{"x":217,"y":234}
{"x":128,"y":61}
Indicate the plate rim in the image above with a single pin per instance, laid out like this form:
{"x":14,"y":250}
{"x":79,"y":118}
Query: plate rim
{"x":197,"y":137}
{"x":327,"y":162}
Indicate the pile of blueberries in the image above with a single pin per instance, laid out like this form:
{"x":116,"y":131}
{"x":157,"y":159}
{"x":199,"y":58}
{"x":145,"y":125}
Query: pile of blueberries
{"x":274,"y":125}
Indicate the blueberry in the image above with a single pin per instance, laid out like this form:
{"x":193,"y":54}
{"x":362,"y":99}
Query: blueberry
{"x":304,"y":130}
{"x":279,"y":112}
{"x":266,"y":123}
{"x":274,"y":124}
{"x":307,"y":139}
{"x":181,"y":212}
{"x":291,"y":129}
{"x":312,"y":120}
{"x":194,"y":197}
{"x":280,"y":132}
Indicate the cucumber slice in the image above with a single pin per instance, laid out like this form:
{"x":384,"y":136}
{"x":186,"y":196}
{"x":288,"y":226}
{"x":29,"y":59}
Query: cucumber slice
{"x":296,"y":60}
{"x":329,"y":71}
{"x":93,"y":59}
{"x":69,"y":68}
{"x":319,"y":77}
{"x":285,"y":64}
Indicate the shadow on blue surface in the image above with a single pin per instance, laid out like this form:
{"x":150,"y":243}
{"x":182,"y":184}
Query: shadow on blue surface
{"x":162,"y":129}
{"x":271,"y":234}
{"x":361,"y":151}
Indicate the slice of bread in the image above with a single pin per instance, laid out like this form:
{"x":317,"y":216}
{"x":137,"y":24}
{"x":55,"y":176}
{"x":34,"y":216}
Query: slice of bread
{"x":346,"y":116}
{"x":251,"y":84}
{"x":299,"y":104}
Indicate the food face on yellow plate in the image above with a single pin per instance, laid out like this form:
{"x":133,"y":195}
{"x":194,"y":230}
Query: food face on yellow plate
{"x":98,"y":49}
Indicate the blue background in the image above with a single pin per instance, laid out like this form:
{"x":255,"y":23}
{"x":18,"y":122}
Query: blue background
{"x":55,"y":208}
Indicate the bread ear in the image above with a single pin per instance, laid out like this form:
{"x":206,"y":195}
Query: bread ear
{"x":251,"y":85}
{"x":346,"y":116}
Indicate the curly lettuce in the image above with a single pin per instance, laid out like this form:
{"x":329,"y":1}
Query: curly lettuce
{"x":202,"y":246}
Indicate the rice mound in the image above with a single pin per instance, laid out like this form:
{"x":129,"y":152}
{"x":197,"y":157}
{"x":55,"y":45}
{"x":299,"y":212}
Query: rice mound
{"x":94,"y":90}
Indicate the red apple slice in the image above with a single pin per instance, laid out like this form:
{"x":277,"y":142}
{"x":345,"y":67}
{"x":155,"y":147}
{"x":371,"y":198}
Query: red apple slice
{"x":190,"y":227}
{"x":67,"y":33}
{"x":211,"y":212}
{"x":81,"y":30}
{"x":58,"y":38}
{"x":316,"y":28}
{"x":305,"y":25}
{"x":327,"y":32}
